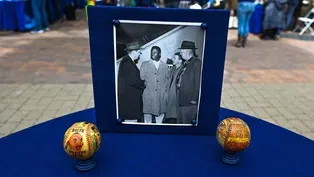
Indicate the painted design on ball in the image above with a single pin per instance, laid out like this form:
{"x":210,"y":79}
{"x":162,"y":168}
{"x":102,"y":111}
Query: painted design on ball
{"x":233,"y":134}
{"x":75,"y":142}
{"x":82,"y":140}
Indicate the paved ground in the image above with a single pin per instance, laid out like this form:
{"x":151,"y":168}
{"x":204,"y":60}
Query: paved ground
{"x":48,"y":75}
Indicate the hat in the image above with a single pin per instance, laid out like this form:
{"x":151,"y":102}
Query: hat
{"x":132,"y":46}
{"x":187,"y":45}
{"x":169,"y":61}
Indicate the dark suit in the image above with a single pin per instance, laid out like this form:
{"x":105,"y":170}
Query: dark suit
{"x":189,"y":90}
{"x":130,"y":89}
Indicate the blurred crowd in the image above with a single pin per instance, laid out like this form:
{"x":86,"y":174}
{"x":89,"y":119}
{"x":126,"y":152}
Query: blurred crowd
{"x":278,"y":15}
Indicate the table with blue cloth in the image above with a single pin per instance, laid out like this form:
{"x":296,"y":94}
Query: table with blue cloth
{"x":13,"y":12}
{"x":273,"y":152}
{"x":256,"y":21}
{"x":1,"y":14}
{"x":12,"y":15}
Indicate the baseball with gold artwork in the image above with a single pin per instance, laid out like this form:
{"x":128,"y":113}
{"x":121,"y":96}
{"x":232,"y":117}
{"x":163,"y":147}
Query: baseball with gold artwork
{"x":82,"y":140}
{"x":233,"y":134}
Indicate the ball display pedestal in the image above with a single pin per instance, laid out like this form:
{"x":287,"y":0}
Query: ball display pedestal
{"x":85,"y":165}
{"x":230,"y":158}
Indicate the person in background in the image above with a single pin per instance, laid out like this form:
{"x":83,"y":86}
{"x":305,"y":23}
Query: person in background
{"x":40,"y":16}
{"x":274,"y":19}
{"x":150,"y":4}
{"x":296,"y":14}
{"x":195,"y":5}
{"x":292,"y":5}
{"x":171,"y":3}
{"x":58,"y":10}
{"x":99,"y":2}
{"x":188,"y":83}
{"x":218,"y":4}
{"x":108,"y":2}
{"x":245,"y":10}
{"x":210,"y":4}
{"x":155,"y":73}
{"x":185,"y":4}
{"x":160,"y":3}
{"x":232,"y":6}
{"x":130,"y":85}
{"x":172,"y":102}
{"x":126,"y":3}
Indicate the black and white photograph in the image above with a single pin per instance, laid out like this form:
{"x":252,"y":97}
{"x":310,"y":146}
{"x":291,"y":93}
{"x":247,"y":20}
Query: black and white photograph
{"x":158,"y":72}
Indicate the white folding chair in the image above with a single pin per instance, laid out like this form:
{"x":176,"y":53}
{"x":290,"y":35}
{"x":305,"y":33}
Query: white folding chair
{"x":307,"y":21}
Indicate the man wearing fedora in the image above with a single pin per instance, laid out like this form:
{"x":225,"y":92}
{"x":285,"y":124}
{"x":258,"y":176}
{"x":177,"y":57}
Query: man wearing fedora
{"x":188,"y":83}
{"x":130,"y":85}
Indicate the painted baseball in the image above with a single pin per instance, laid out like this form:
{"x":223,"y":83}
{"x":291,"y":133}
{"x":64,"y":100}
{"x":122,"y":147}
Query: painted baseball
{"x":233,"y":134}
{"x":82,"y":140}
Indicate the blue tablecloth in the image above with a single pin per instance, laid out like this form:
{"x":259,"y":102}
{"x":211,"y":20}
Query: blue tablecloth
{"x":273,"y":152}
{"x":256,"y":20}
{"x":13,"y":15}
{"x":12,"y":12}
{"x":1,"y":15}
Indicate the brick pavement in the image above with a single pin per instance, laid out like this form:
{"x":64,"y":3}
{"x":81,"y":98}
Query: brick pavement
{"x":46,"y":76}
{"x":287,"y":105}
{"x":59,"y":56}
{"x":284,"y":61}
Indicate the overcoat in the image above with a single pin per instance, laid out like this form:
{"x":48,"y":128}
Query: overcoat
{"x":190,"y":82}
{"x":130,"y":90}
{"x":156,"y":91}
{"x":172,"y":103}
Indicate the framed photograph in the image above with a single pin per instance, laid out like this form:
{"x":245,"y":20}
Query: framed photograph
{"x":157,"y":73}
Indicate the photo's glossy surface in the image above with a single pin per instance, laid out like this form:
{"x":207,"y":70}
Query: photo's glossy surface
{"x":158,"y":69}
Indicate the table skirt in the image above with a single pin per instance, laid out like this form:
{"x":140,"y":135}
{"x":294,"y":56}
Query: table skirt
{"x":13,"y":13}
{"x":256,"y":21}
{"x":1,"y":15}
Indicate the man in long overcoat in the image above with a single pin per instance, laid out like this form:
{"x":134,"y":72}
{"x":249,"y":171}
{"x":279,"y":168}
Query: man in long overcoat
{"x":130,"y":85}
{"x":188,"y":83}
{"x":172,"y":103}
{"x":155,"y":73}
